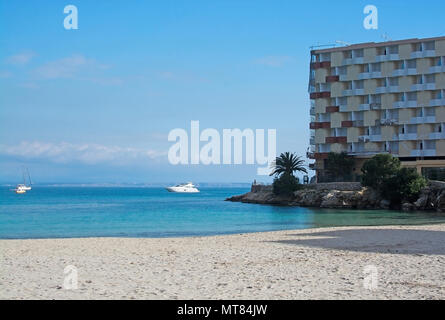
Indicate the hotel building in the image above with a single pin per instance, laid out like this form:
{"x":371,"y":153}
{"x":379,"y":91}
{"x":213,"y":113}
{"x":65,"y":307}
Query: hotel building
{"x":386,"y":97}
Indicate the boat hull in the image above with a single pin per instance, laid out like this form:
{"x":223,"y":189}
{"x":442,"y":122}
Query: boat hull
{"x":182,"y":190}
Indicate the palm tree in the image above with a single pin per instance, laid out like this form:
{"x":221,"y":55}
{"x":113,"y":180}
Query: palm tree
{"x":287,"y":163}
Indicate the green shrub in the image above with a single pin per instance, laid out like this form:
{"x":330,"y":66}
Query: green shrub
{"x":383,"y":173}
{"x":378,"y":169}
{"x":405,"y":185}
{"x":286,"y":185}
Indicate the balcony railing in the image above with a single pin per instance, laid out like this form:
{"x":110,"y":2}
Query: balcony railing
{"x":426,"y":119}
{"x":423,"y":54}
{"x":437,"y":69}
{"x":405,"y":104}
{"x":320,"y":125}
{"x":407,"y":136}
{"x":330,"y":109}
{"x":423,"y":86}
{"x":317,"y":155}
{"x":332,"y":78}
{"x":318,"y":65}
{"x":404,"y":72}
{"x":423,"y":153}
{"x":336,"y":139}
{"x":347,"y":124}
{"x":437,"y":135}
{"x":370,"y":75}
{"x":322,"y":94}
{"x":389,"y":89}
{"x":388,"y":57}
{"x":386,"y":122}
{"x":437,"y":102}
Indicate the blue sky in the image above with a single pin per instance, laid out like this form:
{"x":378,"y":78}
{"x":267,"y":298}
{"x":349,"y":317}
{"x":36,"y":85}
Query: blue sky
{"x":96,"y":104}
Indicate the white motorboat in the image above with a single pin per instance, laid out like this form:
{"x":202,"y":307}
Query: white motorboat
{"x":183,"y":188}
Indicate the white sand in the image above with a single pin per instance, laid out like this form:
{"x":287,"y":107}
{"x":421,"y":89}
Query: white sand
{"x":317,"y":264}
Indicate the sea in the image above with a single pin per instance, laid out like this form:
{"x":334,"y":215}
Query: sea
{"x":146,"y":212}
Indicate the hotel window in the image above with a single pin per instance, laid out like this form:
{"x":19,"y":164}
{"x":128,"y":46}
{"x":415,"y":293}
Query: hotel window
{"x":359,"y":84}
{"x":314,"y":58}
{"x":325,"y":57}
{"x":412,"y":64}
{"x":393,"y":81}
{"x":431,"y":45}
{"x":400,"y":65}
{"x":342,"y":70}
{"x":358,"y":53}
{"x":347,"y":54}
{"x":430,"y":78}
{"x":417,"y":47}
{"x":412,"y":96}
{"x":394,"y":50}
{"x":419,"y":80}
{"x":381,"y":51}
{"x":376,"y":67}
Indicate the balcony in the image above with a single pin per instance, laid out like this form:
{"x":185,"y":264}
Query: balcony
{"x":356,"y":60}
{"x":407,"y":136}
{"x":320,"y":125}
{"x":386,"y":122}
{"x":389,"y":89}
{"x":370,"y":75}
{"x":405,"y":104}
{"x":423,"y":54}
{"x":330,"y":109}
{"x":347,"y":124}
{"x":404,"y":72}
{"x":318,"y":95}
{"x":336,"y":139}
{"x":353,"y":92}
{"x":436,"y":135}
{"x":388,"y":57}
{"x":437,"y":102}
{"x":423,"y":86}
{"x":318,"y":65}
{"x":423,"y":153}
{"x":375,"y":137}
{"x":332,"y":78}
{"x":317,"y":155}
{"x":437,"y":69}
{"x":426,"y":119}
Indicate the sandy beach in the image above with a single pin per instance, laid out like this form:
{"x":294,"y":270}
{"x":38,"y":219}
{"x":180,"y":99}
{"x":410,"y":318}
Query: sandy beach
{"x":328,"y":263}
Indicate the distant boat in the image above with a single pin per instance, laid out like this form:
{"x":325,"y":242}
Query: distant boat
{"x":23,"y":187}
{"x":183,"y":188}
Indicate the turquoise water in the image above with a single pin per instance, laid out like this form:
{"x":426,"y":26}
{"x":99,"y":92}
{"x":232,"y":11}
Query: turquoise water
{"x":51,"y":212}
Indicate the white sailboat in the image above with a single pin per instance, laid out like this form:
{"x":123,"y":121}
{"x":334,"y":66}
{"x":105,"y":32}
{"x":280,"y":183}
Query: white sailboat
{"x":23,"y":187}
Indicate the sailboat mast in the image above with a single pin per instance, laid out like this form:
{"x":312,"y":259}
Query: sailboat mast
{"x":29,"y":177}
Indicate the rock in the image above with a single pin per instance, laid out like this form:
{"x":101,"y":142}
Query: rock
{"x":440,"y":202}
{"x":384,"y":204}
{"x":406,"y":206}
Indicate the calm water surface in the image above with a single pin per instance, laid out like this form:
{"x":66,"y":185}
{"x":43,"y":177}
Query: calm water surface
{"x":52,"y":212}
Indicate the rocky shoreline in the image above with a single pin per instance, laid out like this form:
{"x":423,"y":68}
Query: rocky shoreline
{"x":346,"y":195}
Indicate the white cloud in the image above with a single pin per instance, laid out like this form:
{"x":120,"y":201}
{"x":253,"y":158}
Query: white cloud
{"x":20,"y":58}
{"x":63,"y":68}
{"x":274,"y":61}
{"x":64,"y":152}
